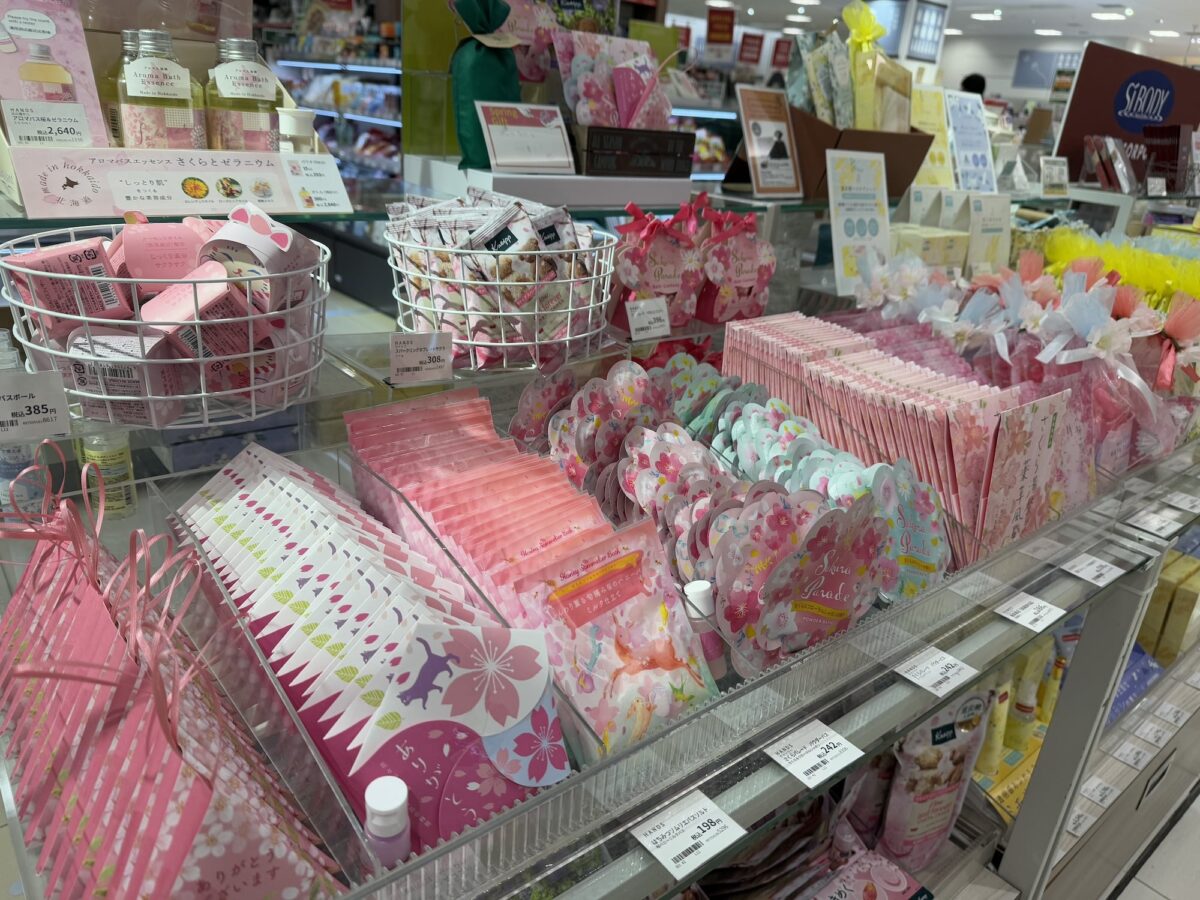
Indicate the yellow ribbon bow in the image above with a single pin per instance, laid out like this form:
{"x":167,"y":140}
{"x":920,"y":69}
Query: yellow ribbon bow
{"x":865,"y":29}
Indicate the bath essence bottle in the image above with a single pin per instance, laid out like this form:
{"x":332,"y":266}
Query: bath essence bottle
{"x":162,"y":105}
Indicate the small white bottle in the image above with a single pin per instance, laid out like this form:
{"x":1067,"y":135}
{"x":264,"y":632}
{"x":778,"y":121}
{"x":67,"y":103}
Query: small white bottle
{"x":700,"y":609}
{"x":109,"y":452}
{"x":387,"y":820}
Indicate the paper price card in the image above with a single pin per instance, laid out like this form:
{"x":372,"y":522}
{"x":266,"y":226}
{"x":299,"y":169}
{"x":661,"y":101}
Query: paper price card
{"x":1093,"y":569}
{"x":1099,"y":791}
{"x":813,"y":753}
{"x":936,"y":671}
{"x":1133,"y":755}
{"x":423,"y":358}
{"x":1044,"y":548}
{"x":32,"y":405}
{"x":1194,"y":680}
{"x":1169,"y":712}
{"x":977,"y":586}
{"x":1155,"y":733}
{"x":1079,"y":822}
{"x":648,"y":319}
{"x":1183,"y":501}
{"x":1139,"y":485}
{"x":1155,"y":523}
{"x":1032,"y":612}
{"x":687,"y":834}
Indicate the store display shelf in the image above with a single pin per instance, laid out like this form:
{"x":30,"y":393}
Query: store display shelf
{"x":380,"y":67}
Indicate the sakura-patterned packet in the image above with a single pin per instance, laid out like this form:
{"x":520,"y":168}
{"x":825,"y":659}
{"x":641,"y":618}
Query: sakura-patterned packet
{"x":657,"y":259}
{"x":738,"y":269}
{"x":933,"y":772}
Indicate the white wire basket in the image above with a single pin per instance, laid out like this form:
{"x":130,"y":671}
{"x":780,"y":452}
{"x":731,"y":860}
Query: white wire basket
{"x":127,"y":360}
{"x":511,"y":308}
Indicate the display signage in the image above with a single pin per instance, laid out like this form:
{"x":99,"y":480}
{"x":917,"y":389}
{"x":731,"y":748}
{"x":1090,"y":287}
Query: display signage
{"x":1118,"y":93}
{"x":781,"y":56}
{"x":750,"y":51}
{"x":718,"y":43}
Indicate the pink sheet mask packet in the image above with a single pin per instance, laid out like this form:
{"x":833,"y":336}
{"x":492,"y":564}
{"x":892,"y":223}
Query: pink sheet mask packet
{"x":98,"y":299}
{"x":156,"y":250}
{"x":180,"y":312}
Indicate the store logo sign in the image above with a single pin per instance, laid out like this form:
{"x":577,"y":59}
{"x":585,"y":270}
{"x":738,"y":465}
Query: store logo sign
{"x":1144,"y":99}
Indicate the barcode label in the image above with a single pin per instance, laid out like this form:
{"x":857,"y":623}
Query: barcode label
{"x":117,"y":372}
{"x":108,"y":294}
{"x":685,"y":853}
{"x":813,"y":753}
{"x":1091,"y":568}
{"x":1155,"y":523}
{"x":687,"y":834}
{"x":936,"y":671}
{"x":1186,"y":502}
{"x":9,"y":423}
{"x":1032,"y":612}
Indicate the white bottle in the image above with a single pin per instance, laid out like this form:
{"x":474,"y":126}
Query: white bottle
{"x":109,"y":452}
{"x":700,"y":609}
{"x":387,"y":820}
{"x":15,"y":458}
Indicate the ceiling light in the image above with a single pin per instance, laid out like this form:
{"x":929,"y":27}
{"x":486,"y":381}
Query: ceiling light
{"x":1109,"y":16}
{"x":1047,"y":32}
{"x":985,"y":17}
{"x":1156,"y":32}
{"x":750,"y":11}
{"x":1128,"y":11}
{"x":793,"y":31}
{"x":719,"y":4}
{"x":799,"y":18}
{"x":952,"y":32}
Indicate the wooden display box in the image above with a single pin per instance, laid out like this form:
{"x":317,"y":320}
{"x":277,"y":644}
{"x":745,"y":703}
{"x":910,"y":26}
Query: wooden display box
{"x":904,"y":152}
{"x":632,"y":153}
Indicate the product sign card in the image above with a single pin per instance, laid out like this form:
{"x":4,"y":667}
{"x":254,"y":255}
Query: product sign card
{"x":991,"y":233}
{"x":928,"y":114}
{"x":33,"y":405}
{"x":767,"y":139}
{"x":421,"y":358}
{"x":813,"y":753}
{"x":1119,"y":93}
{"x":970,"y":142}
{"x":1055,"y":176}
{"x":525,"y":138}
{"x":687,"y":834}
{"x":858,"y":212}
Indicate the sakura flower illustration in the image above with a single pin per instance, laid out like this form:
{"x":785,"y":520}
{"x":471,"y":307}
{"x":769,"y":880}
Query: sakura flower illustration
{"x":490,"y":667}
{"x":714,"y":269}
{"x":628,"y":272}
{"x":543,"y":746}
{"x":924,"y":502}
{"x":488,"y":780}
{"x":691,"y":259}
{"x":741,"y":609}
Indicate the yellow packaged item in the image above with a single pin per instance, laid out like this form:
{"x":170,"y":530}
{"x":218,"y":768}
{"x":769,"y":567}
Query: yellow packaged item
{"x":865,"y":30}
{"x":1182,"y":624}
{"x":1177,"y":567}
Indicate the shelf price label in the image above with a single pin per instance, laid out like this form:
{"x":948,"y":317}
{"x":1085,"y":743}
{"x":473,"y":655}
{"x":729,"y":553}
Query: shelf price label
{"x":687,"y":834}
{"x":1169,"y":712}
{"x":1193,"y":680}
{"x":977,"y":586}
{"x":1099,"y":791}
{"x":423,"y":358}
{"x":648,"y":319}
{"x":1044,"y":548}
{"x":813,"y":753}
{"x":38,"y":123}
{"x":1133,"y":755}
{"x":1079,"y":822}
{"x":1155,"y":523}
{"x":936,"y":671}
{"x":1186,"y":502}
{"x":32,"y":405}
{"x":1140,"y":485}
{"x":1093,"y":569}
{"x":1154,"y":733}
{"x":1032,"y":612}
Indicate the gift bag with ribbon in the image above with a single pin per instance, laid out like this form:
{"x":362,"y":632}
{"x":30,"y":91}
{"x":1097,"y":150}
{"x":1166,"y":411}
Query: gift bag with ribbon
{"x":132,"y":776}
{"x":661,"y":258}
{"x":483,"y":67}
{"x":738,"y":267}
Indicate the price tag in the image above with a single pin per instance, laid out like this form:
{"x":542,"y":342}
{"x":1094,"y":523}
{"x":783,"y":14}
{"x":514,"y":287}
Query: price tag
{"x":1093,"y":569}
{"x":1179,"y":464}
{"x":936,"y":671}
{"x":1140,"y":485}
{"x":32,"y":405}
{"x":687,"y":834}
{"x":1032,"y":612}
{"x":1155,"y":523}
{"x":1044,"y":548}
{"x":423,"y":358}
{"x":977,"y":586}
{"x":1183,"y":501}
{"x":1156,"y":186}
{"x":1133,"y":755}
{"x":813,"y":753}
{"x":1169,"y":712}
{"x":648,"y":319}
{"x":1154,"y":733}
{"x":1079,"y":822}
{"x":1194,"y":680}
{"x":1099,"y":791}
{"x":1109,"y":507}
{"x":38,"y":123}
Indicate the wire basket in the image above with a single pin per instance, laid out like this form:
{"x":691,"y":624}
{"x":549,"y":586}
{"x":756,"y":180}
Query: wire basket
{"x":201,"y":355}
{"x":509,"y":308}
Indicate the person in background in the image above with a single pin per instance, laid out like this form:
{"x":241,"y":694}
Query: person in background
{"x":974,"y":84}
{"x":776,"y":80}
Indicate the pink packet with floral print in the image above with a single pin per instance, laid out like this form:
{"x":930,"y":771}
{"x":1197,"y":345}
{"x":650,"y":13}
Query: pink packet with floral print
{"x":657,"y":258}
{"x":933,"y":773}
{"x":738,"y":269}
